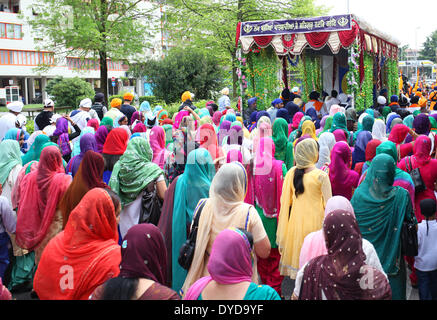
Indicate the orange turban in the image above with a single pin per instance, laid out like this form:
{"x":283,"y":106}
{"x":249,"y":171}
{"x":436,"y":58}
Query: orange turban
{"x":128,"y":96}
{"x":116,"y":102}
{"x":186,"y":96}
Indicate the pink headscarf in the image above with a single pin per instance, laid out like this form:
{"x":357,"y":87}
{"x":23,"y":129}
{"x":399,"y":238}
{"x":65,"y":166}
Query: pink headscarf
{"x":4,"y":292}
{"x":234,"y":155}
{"x":230,"y":262}
{"x":314,"y":244}
{"x":216,"y":118}
{"x":264,"y":131}
{"x":340,"y":135}
{"x":157,"y":143}
{"x":342,"y":178}
{"x":179,"y":117}
{"x":268,"y":178}
{"x":422,"y":149}
{"x":296,"y":119}
{"x":93,"y":123}
{"x":139,"y":127}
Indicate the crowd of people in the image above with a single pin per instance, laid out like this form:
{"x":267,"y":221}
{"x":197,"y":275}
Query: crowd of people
{"x":97,"y":204}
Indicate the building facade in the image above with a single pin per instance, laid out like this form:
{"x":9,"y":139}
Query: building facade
{"x":21,"y":80}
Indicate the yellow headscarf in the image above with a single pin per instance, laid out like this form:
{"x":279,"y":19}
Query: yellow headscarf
{"x":309,"y":128}
{"x":306,"y":153}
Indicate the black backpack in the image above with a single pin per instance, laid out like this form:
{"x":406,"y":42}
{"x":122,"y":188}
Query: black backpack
{"x":98,"y":107}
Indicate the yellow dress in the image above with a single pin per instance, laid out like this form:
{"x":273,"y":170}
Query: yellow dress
{"x":300,"y":216}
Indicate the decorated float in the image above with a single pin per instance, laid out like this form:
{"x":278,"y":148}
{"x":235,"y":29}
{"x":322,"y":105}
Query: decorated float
{"x":318,"y":54}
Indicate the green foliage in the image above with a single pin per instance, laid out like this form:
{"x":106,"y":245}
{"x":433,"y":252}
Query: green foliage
{"x":154,"y":101}
{"x":182,"y":70}
{"x":429,"y":48}
{"x":69,"y":92}
{"x":30,"y":127}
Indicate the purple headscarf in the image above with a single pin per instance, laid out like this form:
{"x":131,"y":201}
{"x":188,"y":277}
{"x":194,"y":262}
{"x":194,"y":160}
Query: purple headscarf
{"x":230,"y":262}
{"x":87,"y":142}
{"x":421,"y":124}
{"x":223,"y":131}
{"x":235,"y":136}
{"x":62,"y":133}
{"x":61,"y":126}
{"x":100,"y":136}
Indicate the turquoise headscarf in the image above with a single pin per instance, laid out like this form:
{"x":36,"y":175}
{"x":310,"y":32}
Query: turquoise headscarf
{"x":339,"y":122}
{"x":192,"y":186}
{"x":229,"y":116}
{"x":35,"y":150}
{"x":76,"y":146}
{"x":13,"y":134}
{"x":204,"y":112}
{"x":145,"y":106}
{"x":380,"y":209}
{"x":134,"y":171}
{"x":408,"y":121}
{"x":10,"y":156}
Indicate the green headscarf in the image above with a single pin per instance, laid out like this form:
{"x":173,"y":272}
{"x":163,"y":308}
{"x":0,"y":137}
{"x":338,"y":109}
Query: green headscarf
{"x":380,"y":209}
{"x":408,"y":121}
{"x":134,"y":171}
{"x":339,"y":122}
{"x":35,"y":149}
{"x":48,"y":144}
{"x":106,"y":121}
{"x":192,"y":186}
{"x":283,"y":148}
{"x":10,"y":156}
{"x":389,"y":148}
{"x":433,"y":124}
{"x":236,"y":123}
{"x":367,"y":125}
{"x":385,"y":111}
{"x":168,"y":128}
{"x":416,"y":113}
{"x":203,"y":112}
{"x":328,"y":125}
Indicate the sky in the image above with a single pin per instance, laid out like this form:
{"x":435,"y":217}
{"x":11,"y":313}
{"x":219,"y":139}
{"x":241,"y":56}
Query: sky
{"x":398,"y":18}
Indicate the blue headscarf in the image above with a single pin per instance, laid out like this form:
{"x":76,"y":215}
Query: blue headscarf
{"x":390,"y":119}
{"x":283,"y":113}
{"x":313,"y":114}
{"x":145,"y":106}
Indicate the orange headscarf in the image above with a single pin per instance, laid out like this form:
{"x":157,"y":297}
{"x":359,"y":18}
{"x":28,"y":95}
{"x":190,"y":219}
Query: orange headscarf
{"x":84,"y":255}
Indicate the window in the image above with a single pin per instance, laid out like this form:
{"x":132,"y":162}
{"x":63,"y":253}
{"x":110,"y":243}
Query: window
{"x":27,"y":58}
{"x":10,"y":31}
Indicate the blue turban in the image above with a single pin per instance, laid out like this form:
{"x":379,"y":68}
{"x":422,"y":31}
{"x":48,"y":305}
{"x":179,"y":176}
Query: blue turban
{"x":283,"y":113}
{"x":276,"y":101}
{"x":394,"y":98}
{"x":262,"y":114}
{"x":251,"y":101}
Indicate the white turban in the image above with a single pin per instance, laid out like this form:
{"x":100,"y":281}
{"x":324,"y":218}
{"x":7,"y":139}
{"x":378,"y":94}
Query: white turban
{"x":382,"y":100}
{"x":86,"y":103}
{"x":225,"y":91}
{"x":15,"y":106}
{"x":48,"y":103}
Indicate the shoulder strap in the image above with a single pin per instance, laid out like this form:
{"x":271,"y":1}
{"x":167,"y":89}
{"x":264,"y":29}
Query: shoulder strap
{"x":198,"y":211}
{"x":247,"y":219}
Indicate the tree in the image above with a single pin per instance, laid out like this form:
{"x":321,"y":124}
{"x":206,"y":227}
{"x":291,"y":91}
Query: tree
{"x":429,"y":50}
{"x":211,"y":25}
{"x":94,"y":29}
{"x":182,"y":70}
{"x":69,"y":92}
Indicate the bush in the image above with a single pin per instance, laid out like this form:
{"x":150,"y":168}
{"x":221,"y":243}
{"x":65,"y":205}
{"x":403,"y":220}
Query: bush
{"x":182,"y":70}
{"x":69,"y":92}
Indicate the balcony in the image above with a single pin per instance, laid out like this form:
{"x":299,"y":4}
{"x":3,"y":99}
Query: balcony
{"x":10,"y":6}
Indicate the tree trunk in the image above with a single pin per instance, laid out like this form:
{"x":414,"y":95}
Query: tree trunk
{"x":104,"y":75}
{"x":234,"y":77}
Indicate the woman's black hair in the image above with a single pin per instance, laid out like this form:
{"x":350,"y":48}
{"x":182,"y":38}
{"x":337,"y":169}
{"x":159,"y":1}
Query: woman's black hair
{"x":298,"y":178}
{"x":248,"y":235}
{"x":120,"y":288}
{"x":428,"y":209}
{"x":121,"y":119}
{"x":114,"y":197}
{"x":110,"y":160}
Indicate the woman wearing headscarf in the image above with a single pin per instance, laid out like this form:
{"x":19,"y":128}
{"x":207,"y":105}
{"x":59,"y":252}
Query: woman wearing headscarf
{"x":235,"y":140}
{"x":230,"y":271}
{"x":157,"y":143}
{"x":398,"y":135}
{"x":378,"y":130}
{"x":308,"y":129}
{"x":130,"y":185}
{"x":191,"y":186}
{"x":93,"y":123}
{"x":370,"y":153}
{"x":306,"y":190}
{"x":367,"y":125}
{"x":268,"y":181}
{"x":283,"y":148}
{"x":295,"y":123}
{"x":89,"y":246}
{"x":389,"y":121}
{"x":87,"y":142}
{"x":114,"y":147}
{"x":137,"y":117}
{"x":428,"y":170}
{"x":264,"y":130}
{"x":76,"y":145}
{"x":225,"y":208}
{"x":100,"y":136}
{"x":339,"y":122}
{"x":88,"y":176}
{"x":322,"y":125}
{"x":359,"y":153}
{"x":208,"y":141}
{"x":327,"y":126}
{"x":142,"y":268}
{"x":314,"y":244}
{"x":314,"y":118}
{"x":223,"y":132}
{"x":340,"y":135}
{"x":341,"y":272}
{"x":408,"y":121}
{"x":10,"y":166}
{"x":216,"y":118}
{"x":326,"y":143}
{"x":380,"y":209}
{"x":343,"y":180}
{"x":38,"y":220}
{"x":15,"y":134}
{"x":63,"y":138}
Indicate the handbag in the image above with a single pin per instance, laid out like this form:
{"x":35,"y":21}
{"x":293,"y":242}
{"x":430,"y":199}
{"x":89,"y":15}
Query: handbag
{"x":151,"y":205}
{"x":186,"y":252}
{"x":409,"y":242}
{"x":419,"y":185}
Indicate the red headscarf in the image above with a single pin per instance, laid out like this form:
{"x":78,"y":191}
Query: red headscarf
{"x":371,"y":149}
{"x":88,"y":176}
{"x":139,"y":127}
{"x":398,"y":133}
{"x":116,"y":142}
{"x":84,"y":255}
{"x":422,"y":150}
{"x":208,"y":140}
{"x":42,"y":189}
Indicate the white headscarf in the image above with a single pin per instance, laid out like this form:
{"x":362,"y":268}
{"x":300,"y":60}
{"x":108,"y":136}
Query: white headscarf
{"x":326,"y":142}
{"x":378,"y":130}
